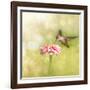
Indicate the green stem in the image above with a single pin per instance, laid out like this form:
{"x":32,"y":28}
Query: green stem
{"x":50,"y":62}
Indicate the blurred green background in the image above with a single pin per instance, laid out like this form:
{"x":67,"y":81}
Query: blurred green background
{"x":41,"y":28}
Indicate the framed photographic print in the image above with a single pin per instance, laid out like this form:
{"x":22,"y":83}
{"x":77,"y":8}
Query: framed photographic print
{"x":48,"y":44}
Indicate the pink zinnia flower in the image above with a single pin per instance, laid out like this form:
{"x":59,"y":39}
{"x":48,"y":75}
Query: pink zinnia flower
{"x":50,"y":49}
{"x":44,"y":49}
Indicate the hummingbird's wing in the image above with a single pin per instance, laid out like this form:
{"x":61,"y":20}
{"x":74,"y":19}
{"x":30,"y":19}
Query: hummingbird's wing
{"x":65,"y":44}
{"x":60,"y":32}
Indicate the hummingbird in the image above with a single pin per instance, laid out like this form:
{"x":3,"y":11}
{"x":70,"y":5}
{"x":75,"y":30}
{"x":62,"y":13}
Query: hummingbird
{"x":64,"y":39}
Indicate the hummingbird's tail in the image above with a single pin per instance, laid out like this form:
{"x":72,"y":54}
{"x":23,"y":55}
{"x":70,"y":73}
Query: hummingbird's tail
{"x":72,"y":37}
